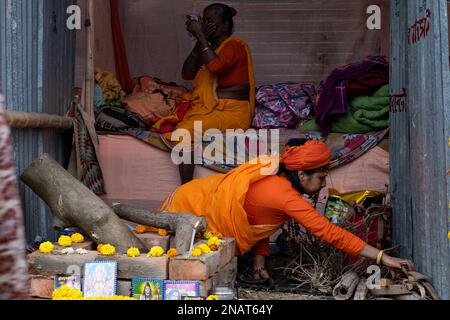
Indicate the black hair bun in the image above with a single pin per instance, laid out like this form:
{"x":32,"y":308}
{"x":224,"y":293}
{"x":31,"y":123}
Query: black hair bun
{"x":233,"y":11}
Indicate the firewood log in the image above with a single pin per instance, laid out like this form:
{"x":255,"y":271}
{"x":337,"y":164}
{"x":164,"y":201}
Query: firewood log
{"x":181,"y":223}
{"x":74,"y":205}
{"x":345,"y":288}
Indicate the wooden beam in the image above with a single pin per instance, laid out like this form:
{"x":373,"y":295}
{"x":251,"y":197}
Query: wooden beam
{"x":28,"y":120}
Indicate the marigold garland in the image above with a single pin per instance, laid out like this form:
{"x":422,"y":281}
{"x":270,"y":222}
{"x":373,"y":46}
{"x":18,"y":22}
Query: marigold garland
{"x":133,"y":252}
{"x":197,"y":253}
{"x":46,"y":247}
{"x":213,"y":297}
{"x":65,"y":293}
{"x":65,"y":241}
{"x":156,"y":251}
{"x":214,"y":240}
{"x":108,"y":250}
{"x":140,"y":229}
{"x":172,"y":253}
{"x":77,"y":238}
{"x":162,"y":232}
{"x":204,"y":248}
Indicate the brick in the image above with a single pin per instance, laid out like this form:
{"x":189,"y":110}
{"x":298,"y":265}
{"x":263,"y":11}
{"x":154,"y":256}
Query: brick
{"x":41,"y":287}
{"x":51,"y":264}
{"x":152,"y":239}
{"x":140,"y":267}
{"x":206,"y":287}
{"x":226,"y":277}
{"x":186,"y":267}
{"x":128,"y":268}
{"x":124,"y":288}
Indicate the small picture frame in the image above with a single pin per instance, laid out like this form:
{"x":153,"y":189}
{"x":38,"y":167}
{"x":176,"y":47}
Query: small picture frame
{"x":147,"y":289}
{"x":175,"y":290}
{"x":71,"y":281}
{"x":100,"y":279}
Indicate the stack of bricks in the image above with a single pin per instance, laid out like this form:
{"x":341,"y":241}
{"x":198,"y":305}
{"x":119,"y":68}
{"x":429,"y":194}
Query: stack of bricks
{"x":216,"y":269}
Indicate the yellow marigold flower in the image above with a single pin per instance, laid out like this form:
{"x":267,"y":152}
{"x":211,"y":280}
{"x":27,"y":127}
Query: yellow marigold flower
{"x":99,"y":248}
{"x":213,"y":297}
{"x":108,"y":250}
{"x":172,"y":253}
{"x":66,"y":293}
{"x":133,"y":252}
{"x":65,"y":241}
{"x":214,"y":240}
{"x":205,"y":249}
{"x":162,"y":232}
{"x":77,"y":238}
{"x":156,"y":252}
{"x":448,"y":235}
{"x":197,"y":253}
{"x":46,"y":247}
{"x":217,"y":235}
{"x":140,"y":229}
{"x":208,"y":235}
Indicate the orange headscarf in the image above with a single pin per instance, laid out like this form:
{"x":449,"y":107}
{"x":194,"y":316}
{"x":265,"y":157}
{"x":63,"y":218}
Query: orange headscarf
{"x":311,"y":155}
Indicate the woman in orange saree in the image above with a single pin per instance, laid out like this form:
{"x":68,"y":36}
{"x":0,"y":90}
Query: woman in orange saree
{"x":223,"y":96}
{"x":251,"y":202}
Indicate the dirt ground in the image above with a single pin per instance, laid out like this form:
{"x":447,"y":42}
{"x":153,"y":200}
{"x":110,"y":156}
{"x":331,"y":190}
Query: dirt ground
{"x":247,"y":294}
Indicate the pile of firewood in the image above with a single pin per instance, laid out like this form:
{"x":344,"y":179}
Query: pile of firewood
{"x":319,"y":266}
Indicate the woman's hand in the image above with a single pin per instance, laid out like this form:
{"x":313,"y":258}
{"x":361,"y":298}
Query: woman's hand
{"x":396,"y":263}
{"x":194,"y":27}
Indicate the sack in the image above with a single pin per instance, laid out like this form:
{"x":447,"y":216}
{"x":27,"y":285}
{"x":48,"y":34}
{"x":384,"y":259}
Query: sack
{"x":284,"y":105}
{"x":150,"y":84}
{"x":150,"y":105}
{"x":115,"y":119}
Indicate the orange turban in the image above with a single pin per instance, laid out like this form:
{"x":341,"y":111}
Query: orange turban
{"x":312,"y":155}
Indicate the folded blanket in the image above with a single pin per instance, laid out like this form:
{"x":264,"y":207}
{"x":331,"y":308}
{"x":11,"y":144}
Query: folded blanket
{"x":366,"y":114}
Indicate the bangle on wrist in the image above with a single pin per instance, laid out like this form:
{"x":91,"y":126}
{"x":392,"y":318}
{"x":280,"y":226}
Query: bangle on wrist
{"x":379,"y":257}
{"x":205,"y":49}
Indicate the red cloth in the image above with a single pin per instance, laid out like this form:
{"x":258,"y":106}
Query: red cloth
{"x":120,"y":52}
{"x":231,"y":65}
{"x":169,"y":123}
{"x":273,"y":201}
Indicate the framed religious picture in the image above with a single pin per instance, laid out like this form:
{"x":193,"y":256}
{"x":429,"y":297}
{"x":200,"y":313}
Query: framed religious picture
{"x":72,"y":281}
{"x":176,"y":290}
{"x":147,"y":289}
{"x":100,"y":279}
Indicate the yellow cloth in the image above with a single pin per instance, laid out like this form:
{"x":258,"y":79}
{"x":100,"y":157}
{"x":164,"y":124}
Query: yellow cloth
{"x":220,"y":199}
{"x":221,"y":114}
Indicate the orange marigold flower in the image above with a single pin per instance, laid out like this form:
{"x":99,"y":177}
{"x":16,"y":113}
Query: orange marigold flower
{"x":162,"y":232}
{"x":172,"y":253}
{"x":214,"y":247}
{"x":99,"y":247}
{"x":140,"y":229}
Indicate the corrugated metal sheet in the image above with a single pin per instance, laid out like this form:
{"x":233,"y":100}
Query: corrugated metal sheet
{"x":37,"y":54}
{"x":419,"y":138}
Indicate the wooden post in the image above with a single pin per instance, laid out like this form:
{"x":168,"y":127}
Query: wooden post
{"x":25,"y":120}
{"x":89,"y":83}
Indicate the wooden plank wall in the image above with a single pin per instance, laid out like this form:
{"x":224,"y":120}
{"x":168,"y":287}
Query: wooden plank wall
{"x":291,"y":40}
